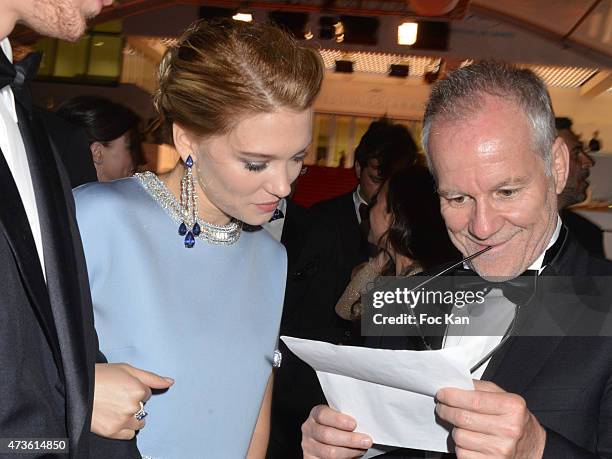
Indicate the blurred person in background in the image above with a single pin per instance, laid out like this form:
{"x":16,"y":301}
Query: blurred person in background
{"x":407,"y":227}
{"x":384,"y":147}
{"x":589,"y":235}
{"x":112,"y":132}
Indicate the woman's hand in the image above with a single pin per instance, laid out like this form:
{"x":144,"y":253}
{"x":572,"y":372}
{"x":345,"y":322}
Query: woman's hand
{"x":119,"y":389}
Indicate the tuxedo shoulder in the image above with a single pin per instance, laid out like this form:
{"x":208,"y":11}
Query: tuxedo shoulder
{"x":599,"y":266}
{"x":334,"y":203}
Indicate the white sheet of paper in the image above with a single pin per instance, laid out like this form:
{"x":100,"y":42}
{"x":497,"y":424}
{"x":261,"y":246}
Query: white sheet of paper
{"x":389,"y":393}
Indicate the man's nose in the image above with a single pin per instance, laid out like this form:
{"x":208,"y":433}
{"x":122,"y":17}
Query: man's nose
{"x":484,"y":221}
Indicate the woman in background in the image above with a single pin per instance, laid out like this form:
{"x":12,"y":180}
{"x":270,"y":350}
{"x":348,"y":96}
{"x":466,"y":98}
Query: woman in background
{"x":177,"y":286}
{"x":407,"y":227}
{"x":112,"y":133}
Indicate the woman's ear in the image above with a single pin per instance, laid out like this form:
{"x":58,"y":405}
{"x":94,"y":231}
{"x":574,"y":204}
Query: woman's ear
{"x":183,"y":142}
{"x":97,"y":153}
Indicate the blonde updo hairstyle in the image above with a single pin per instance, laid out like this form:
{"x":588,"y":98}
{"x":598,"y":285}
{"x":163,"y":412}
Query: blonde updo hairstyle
{"x":222,"y":70}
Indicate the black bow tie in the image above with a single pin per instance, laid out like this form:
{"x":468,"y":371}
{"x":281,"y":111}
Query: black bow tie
{"x":16,"y":75}
{"x":518,"y":290}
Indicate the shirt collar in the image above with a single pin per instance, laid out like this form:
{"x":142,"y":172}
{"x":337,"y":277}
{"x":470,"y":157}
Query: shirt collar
{"x":6,"y":94}
{"x":537,"y":264}
{"x":5,"y":45}
{"x":358,"y":198}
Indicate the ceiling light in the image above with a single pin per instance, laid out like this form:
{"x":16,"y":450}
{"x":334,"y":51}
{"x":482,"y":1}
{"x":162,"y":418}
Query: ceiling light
{"x":244,"y":17}
{"x":407,"y":33}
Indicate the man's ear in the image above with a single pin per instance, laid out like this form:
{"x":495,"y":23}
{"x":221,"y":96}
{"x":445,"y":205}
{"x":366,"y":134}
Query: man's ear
{"x":560,"y":164}
{"x":183,"y":142}
{"x":97,"y":153}
{"x":358,"y":170}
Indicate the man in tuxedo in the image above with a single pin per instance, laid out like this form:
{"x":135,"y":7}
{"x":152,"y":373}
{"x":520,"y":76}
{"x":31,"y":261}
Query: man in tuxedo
{"x":491,"y":143}
{"x":384,"y":147}
{"x":310,"y":296}
{"x":48,"y":346}
{"x":585,"y":231}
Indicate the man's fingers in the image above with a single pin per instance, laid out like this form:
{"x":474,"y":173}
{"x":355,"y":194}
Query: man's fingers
{"x":324,"y":415}
{"x":328,"y":434}
{"x":149,"y":378}
{"x":320,"y":451}
{"x":486,"y":386}
{"x":335,"y":437}
{"x":476,"y":444}
{"x":481,"y":401}
{"x":467,"y":454}
{"x":503,"y":426}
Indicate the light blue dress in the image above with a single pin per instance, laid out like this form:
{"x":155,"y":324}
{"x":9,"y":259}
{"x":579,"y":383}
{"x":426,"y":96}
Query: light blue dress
{"x":206,"y":316}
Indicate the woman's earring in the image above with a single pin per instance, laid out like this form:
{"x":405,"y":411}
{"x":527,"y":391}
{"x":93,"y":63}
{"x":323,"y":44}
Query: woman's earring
{"x":189,"y":206}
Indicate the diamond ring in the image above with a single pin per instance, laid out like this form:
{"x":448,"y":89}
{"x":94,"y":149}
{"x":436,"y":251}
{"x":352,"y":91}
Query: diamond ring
{"x":141,"y":413}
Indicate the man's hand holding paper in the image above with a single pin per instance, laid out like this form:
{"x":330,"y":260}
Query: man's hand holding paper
{"x":390,"y":394}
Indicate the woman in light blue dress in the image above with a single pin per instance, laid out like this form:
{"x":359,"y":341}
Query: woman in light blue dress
{"x":178,"y":287}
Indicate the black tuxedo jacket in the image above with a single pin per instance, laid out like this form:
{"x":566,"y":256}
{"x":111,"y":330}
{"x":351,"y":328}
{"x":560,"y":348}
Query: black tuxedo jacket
{"x":311,"y":294}
{"x":341,"y":212}
{"x":48,"y":344}
{"x":587,"y":233}
{"x":566,"y":381}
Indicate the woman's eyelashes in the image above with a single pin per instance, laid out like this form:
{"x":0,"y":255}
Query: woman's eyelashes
{"x":255,"y":167}
{"x":260,"y":166}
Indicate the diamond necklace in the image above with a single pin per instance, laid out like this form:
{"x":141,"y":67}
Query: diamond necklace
{"x":214,"y":234}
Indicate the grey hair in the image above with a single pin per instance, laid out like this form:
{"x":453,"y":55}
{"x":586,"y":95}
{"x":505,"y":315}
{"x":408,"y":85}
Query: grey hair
{"x":462,"y":93}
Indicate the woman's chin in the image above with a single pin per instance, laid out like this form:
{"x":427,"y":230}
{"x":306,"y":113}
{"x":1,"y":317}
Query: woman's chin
{"x":255,"y":220}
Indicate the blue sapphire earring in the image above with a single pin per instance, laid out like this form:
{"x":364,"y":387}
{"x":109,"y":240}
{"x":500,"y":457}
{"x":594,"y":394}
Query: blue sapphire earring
{"x":189,"y":206}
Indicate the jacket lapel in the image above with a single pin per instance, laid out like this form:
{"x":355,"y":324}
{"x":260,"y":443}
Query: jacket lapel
{"x":65,"y":295}
{"x":529,"y":353}
{"x":16,"y":227}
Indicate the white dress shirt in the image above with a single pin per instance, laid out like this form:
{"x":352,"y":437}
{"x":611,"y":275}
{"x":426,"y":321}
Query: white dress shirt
{"x":357,"y":201}
{"x":14,"y":153}
{"x":494,"y":315}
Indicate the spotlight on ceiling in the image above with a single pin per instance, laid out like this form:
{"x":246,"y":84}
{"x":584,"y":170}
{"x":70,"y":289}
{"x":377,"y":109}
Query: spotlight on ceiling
{"x":407,"y":33}
{"x":343,"y":66}
{"x":242,"y":16}
{"x":399,"y":70}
